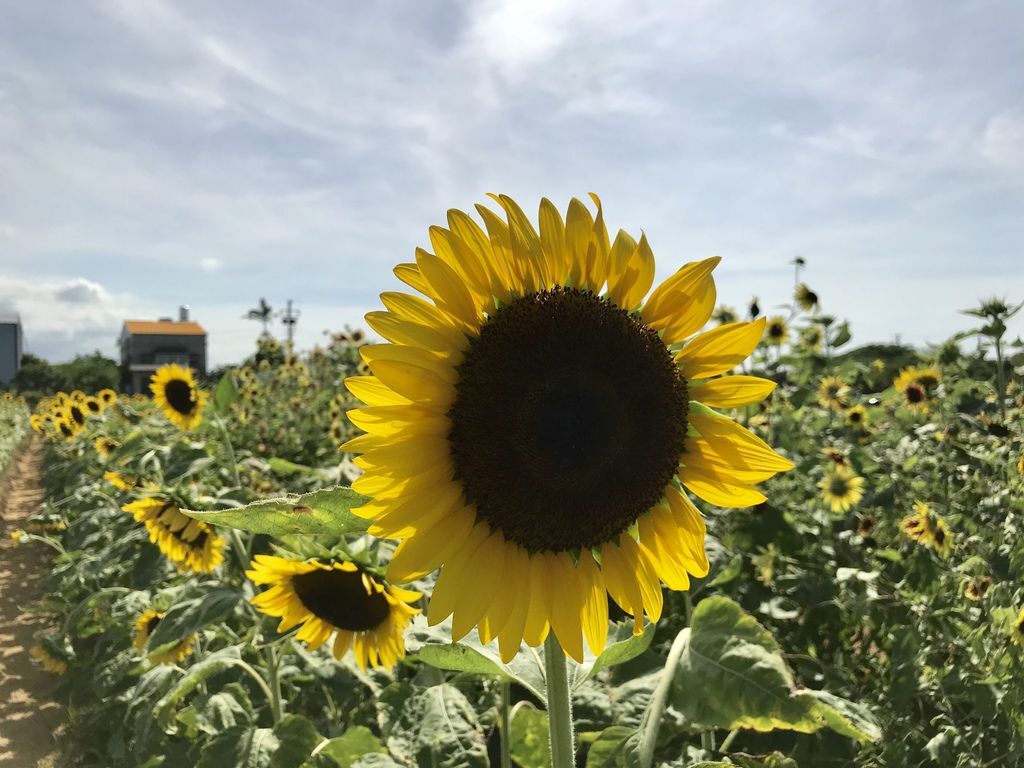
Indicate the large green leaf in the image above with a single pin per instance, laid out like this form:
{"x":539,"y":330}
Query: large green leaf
{"x":615,"y":747}
{"x":298,"y":738}
{"x":434,"y":726}
{"x":240,"y":748}
{"x":732,"y":675}
{"x":327,"y":511}
{"x":433,"y":647}
{"x":191,"y":615}
{"x":353,"y":744}
{"x":529,"y":738}
{"x":193,"y":677}
{"x":225,"y":393}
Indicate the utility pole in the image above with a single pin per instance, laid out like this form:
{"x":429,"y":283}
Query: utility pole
{"x":290,"y":317}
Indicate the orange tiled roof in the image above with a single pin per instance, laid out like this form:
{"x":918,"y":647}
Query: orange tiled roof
{"x":163,"y":328}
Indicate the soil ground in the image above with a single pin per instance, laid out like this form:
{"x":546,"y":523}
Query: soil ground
{"x":30,"y":718}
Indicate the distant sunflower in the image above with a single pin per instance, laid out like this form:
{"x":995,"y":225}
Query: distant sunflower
{"x":857,"y":418}
{"x":104,"y":446}
{"x":812,"y":337}
{"x":941,"y":539}
{"x":833,"y":393}
{"x":75,"y":413}
{"x":841,"y":490}
{"x":50,"y":662}
{"x":1018,"y":629}
{"x":175,"y":391}
{"x":120,"y":481}
{"x":724,"y":314}
{"x":36,"y":422}
{"x":535,"y":422}
{"x":340,"y":599}
{"x":918,"y":526}
{"x":777,"y":331}
{"x":66,"y":428}
{"x":189,"y":544}
{"x":145,"y":625}
{"x":338,"y":432}
{"x":977,"y":588}
{"x":806,"y":298}
{"x":107,"y":396}
{"x":92,"y":406}
{"x":917,"y":386}
{"x":836,"y":456}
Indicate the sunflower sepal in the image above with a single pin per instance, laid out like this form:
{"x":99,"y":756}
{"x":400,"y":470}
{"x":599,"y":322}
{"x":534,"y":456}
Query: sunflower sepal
{"x":433,"y":646}
{"x":322,"y":512}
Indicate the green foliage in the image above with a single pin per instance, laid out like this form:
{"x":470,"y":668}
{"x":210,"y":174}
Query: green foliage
{"x":89,"y":373}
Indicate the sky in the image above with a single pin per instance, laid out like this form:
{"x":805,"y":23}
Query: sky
{"x":154,"y":153}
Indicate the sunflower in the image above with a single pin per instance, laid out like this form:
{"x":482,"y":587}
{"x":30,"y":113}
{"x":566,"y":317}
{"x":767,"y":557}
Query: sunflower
{"x":532,"y":426}
{"x":75,"y":413}
{"x":1018,"y":628}
{"x":120,"y":481}
{"x":833,"y":393}
{"x":175,"y":391}
{"x":857,"y":418}
{"x":805,"y":297}
{"x":812,"y":337}
{"x":66,"y":428}
{"x":337,"y":432}
{"x":104,"y":446}
{"x":107,"y":396}
{"x":145,"y":625}
{"x":917,"y":385}
{"x":777,"y":331}
{"x":841,"y":489}
{"x":189,"y":544}
{"x":918,"y":526}
{"x":50,"y":662}
{"x":340,"y":599}
{"x":724,"y":314}
{"x":977,"y":588}
{"x":92,"y":406}
{"x":941,"y":539}
{"x":836,"y":456}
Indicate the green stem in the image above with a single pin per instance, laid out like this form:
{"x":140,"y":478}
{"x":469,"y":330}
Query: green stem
{"x":727,"y":742}
{"x":1000,"y":381}
{"x":656,"y":709}
{"x":559,"y":704}
{"x":258,"y":678}
{"x":273,"y":657}
{"x":506,"y":724}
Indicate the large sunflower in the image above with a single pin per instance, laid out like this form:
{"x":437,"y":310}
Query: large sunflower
{"x":534,"y":421}
{"x":340,"y":599}
{"x":175,"y":391}
{"x":189,"y":544}
{"x":841,"y":489}
{"x":144,"y":628}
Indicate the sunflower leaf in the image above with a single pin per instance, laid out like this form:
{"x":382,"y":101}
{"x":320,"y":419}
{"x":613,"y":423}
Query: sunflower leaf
{"x":327,"y":511}
{"x":732,"y":675}
{"x":190,"y":616}
{"x":225,"y":393}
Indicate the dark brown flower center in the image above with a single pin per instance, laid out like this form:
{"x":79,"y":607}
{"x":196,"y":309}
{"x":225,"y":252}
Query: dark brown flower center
{"x":569,"y":420}
{"x":340,"y":598}
{"x":180,"y":396}
{"x":915,"y":394}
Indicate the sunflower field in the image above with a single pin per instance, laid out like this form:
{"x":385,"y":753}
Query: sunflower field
{"x":559,"y":517}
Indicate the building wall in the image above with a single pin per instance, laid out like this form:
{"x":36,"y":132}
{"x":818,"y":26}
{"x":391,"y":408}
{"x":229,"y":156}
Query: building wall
{"x":10,"y":351}
{"x":151,"y":349}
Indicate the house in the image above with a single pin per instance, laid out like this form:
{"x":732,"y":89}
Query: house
{"x":11,"y":346}
{"x":148,"y":344}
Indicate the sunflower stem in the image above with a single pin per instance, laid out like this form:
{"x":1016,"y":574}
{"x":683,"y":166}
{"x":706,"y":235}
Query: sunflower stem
{"x":273,"y":657}
{"x":656,"y":709}
{"x":506,"y":724}
{"x":559,"y":704}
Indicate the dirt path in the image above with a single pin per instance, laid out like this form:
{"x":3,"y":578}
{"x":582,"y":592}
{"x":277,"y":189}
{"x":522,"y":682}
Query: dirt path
{"x":29,"y":717}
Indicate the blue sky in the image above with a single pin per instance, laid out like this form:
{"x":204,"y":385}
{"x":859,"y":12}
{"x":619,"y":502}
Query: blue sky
{"x":158,"y":153}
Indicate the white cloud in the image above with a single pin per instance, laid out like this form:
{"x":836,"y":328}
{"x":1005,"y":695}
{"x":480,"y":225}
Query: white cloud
{"x":210,"y":264}
{"x":1002,"y":143}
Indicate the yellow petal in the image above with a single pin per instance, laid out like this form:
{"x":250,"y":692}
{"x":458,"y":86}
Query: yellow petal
{"x":732,"y":391}
{"x":595,"y":603}
{"x":720,"y":349}
{"x":451,"y":581}
{"x":480,"y":583}
{"x":681,"y":305}
{"x":395,"y":329}
{"x":373,"y":391}
{"x":420,"y":554}
{"x":450,"y":291}
{"x":566,"y":603}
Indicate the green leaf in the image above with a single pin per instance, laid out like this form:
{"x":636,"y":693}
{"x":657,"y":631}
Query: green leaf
{"x":189,"y":616}
{"x":732,"y":675}
{"x":285,"y":468}
{"x":842,"y":335}
{"x":240,"y":748}
{"x":193,"y":677}
{"x":616,"y":747}
{"x":846,"y":717}
{"x":346,"y":749}
{"x":529,"y":738}
{"x":225,"y":393}
{"x":327,"y":511}
{"x":622,"y":646}
{"x":434,"y":726}
{"x":298,"y":738}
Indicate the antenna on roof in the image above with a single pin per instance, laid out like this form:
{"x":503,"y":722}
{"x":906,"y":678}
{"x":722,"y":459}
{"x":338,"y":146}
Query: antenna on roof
{"x":290,"y":318}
